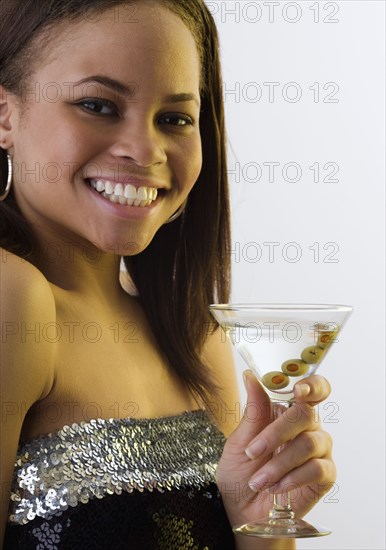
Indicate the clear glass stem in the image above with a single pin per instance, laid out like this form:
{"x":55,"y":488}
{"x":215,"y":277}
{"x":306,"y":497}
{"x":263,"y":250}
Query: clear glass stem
{"x":281,"y":502}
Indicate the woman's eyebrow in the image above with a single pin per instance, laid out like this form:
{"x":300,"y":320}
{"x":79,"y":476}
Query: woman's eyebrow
{"x":131,"y":89}
{"x":179,"y":98}
{"x":126,"y":90}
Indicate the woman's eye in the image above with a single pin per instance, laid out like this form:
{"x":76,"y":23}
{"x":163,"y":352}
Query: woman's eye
{"x":177,"y":120}
{"x":98,"y":106}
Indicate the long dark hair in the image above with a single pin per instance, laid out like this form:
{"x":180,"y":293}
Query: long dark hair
{"x":186,"y":266}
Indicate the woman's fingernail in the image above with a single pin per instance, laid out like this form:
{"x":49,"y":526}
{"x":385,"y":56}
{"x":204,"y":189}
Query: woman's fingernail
{"x":246,"y":373}
{"x":256,"y":450}
{"x":301,"y":390}
{"x":258,"y":483}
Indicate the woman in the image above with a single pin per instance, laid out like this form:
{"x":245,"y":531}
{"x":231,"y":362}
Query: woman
{"x":112,"y":140}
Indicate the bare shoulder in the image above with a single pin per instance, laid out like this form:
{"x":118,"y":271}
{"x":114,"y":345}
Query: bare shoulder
{"x":217,"y":354}
{"x":19,"y":274}
{"x":26,"y":306}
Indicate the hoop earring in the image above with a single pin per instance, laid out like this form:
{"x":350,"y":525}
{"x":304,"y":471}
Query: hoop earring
{"x":178,"y":213}
{"x":9,"y":179}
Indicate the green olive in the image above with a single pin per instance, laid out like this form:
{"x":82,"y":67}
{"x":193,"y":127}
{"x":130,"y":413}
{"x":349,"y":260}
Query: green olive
{"x":326,"y":338}
{"x":312,"y":355}
{"x":294,"y":367}
{"x":275,"y":380}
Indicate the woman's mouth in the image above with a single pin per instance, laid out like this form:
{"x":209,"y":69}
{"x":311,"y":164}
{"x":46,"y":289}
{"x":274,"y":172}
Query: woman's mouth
{"x":124,"y":194}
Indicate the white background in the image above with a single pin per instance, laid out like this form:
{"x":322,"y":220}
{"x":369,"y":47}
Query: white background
{"x":344,"y":126}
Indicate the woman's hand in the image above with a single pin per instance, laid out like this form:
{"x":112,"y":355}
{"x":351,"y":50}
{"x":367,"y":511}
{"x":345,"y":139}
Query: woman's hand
{"x":248,"y":473}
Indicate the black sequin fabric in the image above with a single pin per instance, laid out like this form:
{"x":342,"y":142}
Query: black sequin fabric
{"x":120,"y":484}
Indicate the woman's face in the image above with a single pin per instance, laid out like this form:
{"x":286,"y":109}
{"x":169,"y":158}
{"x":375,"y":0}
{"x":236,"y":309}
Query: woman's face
{"x":114,"y":105}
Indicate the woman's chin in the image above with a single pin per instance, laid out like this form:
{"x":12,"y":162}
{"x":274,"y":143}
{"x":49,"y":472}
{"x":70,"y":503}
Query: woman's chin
{"x":125,"y":247}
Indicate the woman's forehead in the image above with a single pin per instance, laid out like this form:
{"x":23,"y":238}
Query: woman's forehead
{"x":157,"y":37}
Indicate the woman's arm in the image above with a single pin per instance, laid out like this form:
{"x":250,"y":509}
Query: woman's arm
{"x":26,"y":359}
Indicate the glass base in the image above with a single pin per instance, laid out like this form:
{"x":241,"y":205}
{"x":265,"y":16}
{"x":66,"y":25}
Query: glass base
{"x":281,"y":529}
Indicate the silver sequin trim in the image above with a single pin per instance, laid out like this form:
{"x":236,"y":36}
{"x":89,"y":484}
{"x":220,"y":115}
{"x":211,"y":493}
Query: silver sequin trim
{"x":103,"y":457}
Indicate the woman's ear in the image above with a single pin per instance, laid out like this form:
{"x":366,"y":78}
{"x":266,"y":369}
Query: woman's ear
{"x":6,"y":109}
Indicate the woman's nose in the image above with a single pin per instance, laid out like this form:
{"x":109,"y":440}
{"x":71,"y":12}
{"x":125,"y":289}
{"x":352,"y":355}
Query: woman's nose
{"x":141,"y":143}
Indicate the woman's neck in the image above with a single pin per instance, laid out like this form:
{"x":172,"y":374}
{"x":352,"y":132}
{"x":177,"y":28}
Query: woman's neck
{"x":84,"y":270}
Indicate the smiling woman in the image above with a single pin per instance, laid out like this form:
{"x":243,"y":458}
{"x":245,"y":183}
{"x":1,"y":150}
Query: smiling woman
{"x":100,"y":120}
{"x":113,"y":146}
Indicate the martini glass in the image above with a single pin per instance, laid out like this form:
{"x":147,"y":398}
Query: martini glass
{"x":281,"y":344}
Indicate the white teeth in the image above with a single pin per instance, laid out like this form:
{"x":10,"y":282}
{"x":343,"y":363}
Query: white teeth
{"x":142,"y":194}
{"x":109,"y":189}
{"x":118,"y":190}
{"x":125,"y":194}
{"x":100,"y":186}
{"x":130,"y":192}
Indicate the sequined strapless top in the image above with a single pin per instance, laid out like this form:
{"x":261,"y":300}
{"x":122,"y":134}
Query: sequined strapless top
{"x":120,"y":484}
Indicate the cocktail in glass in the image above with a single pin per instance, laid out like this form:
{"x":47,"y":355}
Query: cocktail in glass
{"x":281,"y":344}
